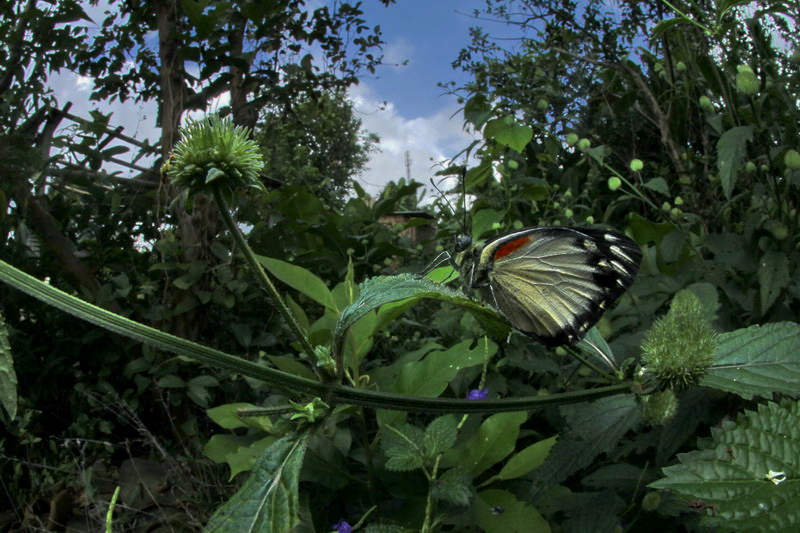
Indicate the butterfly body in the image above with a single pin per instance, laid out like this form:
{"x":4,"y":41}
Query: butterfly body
{"x":553,"y":282}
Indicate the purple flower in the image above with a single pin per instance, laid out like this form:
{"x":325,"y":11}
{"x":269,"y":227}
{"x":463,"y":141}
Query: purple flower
{"x":478,"y":394}
{"x":343,"y":527}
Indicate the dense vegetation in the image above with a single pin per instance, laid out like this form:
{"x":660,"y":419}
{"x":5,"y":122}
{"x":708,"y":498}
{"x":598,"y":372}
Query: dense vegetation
{"x":676,"y":124}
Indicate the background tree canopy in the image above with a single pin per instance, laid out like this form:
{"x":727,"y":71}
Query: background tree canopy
{"x":677,"y":124}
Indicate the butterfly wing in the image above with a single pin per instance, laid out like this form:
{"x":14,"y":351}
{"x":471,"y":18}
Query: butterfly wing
{"x":555,"y":282}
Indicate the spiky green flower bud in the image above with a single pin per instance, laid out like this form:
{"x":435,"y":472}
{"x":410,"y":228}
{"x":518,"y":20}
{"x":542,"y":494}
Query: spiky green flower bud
{"x":213,"y":151}
{"x":636,"y":165}
{"x":614,"y":183}
{"x":679,"y":348}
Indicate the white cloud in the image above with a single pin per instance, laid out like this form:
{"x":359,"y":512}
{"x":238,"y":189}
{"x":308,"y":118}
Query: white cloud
{"x":396,"y":53}
{"x":429,"y":140}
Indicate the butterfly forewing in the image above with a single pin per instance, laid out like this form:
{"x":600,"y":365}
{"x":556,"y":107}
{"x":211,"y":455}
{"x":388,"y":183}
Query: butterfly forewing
{"x":553,"y":282}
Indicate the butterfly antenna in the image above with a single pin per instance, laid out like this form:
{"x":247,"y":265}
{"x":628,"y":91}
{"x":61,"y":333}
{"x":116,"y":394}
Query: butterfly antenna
{"x":443,"y":196}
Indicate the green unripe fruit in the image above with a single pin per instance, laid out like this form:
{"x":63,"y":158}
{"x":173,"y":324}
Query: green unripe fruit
{"x":777,"y":228}
{"x":750,"y":167}
{"x":572,"y":138}
{"x":792,"y":160}
{"x":666,"y":207}
{"x":651,"y":501}
{"x":584,"y":144}
{"x":636,"y":165}
{"x":568,"y":213}
{"x":675,"y":212}
{"x":590,"y":219}
{"x":680,"y":66}
{"x":678,"y":200}
{"x":542,"y":104}
{"x":614,"y":183}
{"x":746,"y":80}
{"x":706,"y":105}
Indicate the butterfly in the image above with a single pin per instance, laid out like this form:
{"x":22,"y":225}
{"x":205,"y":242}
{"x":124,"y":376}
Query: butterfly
{"x":552,"y":282}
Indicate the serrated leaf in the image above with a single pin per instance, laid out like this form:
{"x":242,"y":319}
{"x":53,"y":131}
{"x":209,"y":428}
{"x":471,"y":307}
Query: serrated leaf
{"x":402,"y":460}
{"x":8,"y":377}
{"x":495,"y":439}
{"x":773,"y":277}
{"x":748,"y":480}
{"x":499,"y":511}
{"x":268,"y":499}
{"x":757,"y":361}
{"x":403,"y":447}
{"x":300,"y":279}
{"x":440,"y":435}
{"x":731,"y":149}
{"x":527,"y":459}
{"x":454,"y":486}
{"x":382,"y":290}
{"x":595,"y":428}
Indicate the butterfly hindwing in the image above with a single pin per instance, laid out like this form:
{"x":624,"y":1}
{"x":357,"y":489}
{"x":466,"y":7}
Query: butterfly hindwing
{"x":553,"y":282}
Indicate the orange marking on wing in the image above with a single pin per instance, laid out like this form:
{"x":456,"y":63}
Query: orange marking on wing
{"x":511,"y":247}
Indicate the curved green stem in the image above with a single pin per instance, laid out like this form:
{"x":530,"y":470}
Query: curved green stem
{"x":262,"y":276}
{"x":275,"y":378}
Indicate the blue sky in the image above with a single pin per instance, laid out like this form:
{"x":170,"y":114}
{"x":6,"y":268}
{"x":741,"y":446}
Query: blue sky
{"x":419,"y":116}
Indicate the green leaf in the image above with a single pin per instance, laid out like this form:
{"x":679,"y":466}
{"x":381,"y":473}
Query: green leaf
{"x":440,"y":435}
{"x":171,"y":381}
{"x":773,"y":277}
{"x":8,"y":377}
{"x":194,"y":273}
{"x":454,"y":486}
{"x":300,"y":280}
{"x":225,"y":415}
{"x":507,"y":132}
{"x":484,"y":220}
{"x":402,"y":460}
{"x":403,"y":447}
{"x":495,"y":439}
{"x":526,"y":460}
{"x":757,"y":361}
{"x":658,"y":185}
{"x":731,"y":149}
{"x":748,"y":477}
{"x":430,"y":376}
{"x":666,"y":25}
{"x":382,"y":290}
{"x":595,"y":428}
{"x":267,"y":502}
{"x":499,"y":511}
{"x":240,"y":453}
